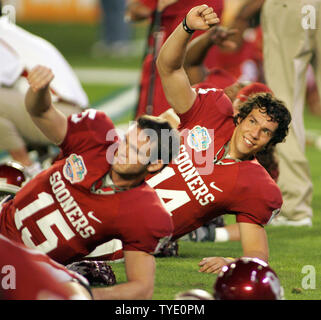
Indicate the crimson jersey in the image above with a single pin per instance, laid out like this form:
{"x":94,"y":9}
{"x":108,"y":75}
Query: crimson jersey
{"x":195,"y":190}
{"x":30,"y":275}
{"x":244,"y":64}
{"x":57,"y":213}
{"x":171,"y":17}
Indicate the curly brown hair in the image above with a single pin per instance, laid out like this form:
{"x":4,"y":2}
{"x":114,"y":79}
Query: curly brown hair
{"x":273,"y":107}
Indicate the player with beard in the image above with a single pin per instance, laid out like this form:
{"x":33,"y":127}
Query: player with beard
{"x":20,"y":51}
{"x":216,"y":171}
{"x":86,"y":197}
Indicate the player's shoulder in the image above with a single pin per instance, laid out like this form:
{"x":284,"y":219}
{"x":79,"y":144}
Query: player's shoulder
{"x":206,"y":89}
{"x":148,"y":203}
{"x":93,"y":122}
{"x":90,"y":116}
{"x":211,"y":96}
{"x":146,"y":196}
{"x":210,"y":106}
{"x":253,"y":175}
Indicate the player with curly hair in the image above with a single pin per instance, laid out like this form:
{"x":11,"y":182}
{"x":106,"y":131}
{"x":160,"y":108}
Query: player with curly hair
{"x":216,"y":171}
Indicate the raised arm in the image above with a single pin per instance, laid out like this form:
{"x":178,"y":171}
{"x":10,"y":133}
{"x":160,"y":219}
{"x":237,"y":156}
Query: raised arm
{"x":140,"y":271}
{"x":198,"y":48}
{"x":176,"y":85}
{"x":47,"y":118}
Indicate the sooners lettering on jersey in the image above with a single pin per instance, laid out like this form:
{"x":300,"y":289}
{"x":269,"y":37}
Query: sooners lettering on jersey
{"x":57,"y":213}
{"x":195,"y":190}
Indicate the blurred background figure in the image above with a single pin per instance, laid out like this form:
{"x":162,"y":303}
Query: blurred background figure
{"x":289,"y":48}
{"x":312,"y":95}
{"x":291,"y":68}
{"x":115,"y":30}
{"x":20,"y":51}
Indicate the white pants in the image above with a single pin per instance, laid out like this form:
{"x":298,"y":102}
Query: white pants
{"x":16,"y":127}
{"x":288,"y":50}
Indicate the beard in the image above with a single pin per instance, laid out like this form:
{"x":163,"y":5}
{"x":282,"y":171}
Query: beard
{"x":128,"y":176}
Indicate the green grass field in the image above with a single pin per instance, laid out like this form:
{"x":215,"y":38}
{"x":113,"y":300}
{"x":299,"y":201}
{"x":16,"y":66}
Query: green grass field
{"x":290,"y":248}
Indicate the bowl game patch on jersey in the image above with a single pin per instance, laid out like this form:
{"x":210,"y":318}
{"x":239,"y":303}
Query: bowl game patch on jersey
{"x":199,"y":138}
{"x":74,"y":169}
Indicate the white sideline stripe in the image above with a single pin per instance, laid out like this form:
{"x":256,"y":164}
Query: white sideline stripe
{"x":120,"y":104}
{"x":107,"y":76}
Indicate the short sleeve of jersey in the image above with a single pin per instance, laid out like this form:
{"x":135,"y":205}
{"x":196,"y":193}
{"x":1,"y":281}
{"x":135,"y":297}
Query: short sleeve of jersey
{"x":258,"y":201}
{"x":209,"y":103}
{"x":86,"y":130}
{"x":151,"y":235}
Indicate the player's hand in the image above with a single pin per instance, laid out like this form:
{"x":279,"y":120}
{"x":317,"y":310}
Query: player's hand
{"x":201,"y":18}
{"x":213,"y":264}
{"x":221,"y":36}
{"x":40,"y":77}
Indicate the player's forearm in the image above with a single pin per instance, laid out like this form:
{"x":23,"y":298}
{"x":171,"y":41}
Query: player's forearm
{"x":197,"y":50}
{"x":133,"y":290}
{"x":172,"y":54}
{"x":38,"y":102}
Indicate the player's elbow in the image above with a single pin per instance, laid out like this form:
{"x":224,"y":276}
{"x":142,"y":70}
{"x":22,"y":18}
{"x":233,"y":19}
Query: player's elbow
{"x":165,"y":66}
{"x":146,"y":291}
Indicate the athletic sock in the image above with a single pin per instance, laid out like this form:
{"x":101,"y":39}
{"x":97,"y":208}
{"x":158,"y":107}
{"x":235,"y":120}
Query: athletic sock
{"x":222,"y":235}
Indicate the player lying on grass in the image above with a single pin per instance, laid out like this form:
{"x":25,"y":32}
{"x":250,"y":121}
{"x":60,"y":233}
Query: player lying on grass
{"x":94,"y":191}
{"x":238,"y":92}
{"x":216,"y":171}
{"x":32,"y":275}
{"x":266,"y":157}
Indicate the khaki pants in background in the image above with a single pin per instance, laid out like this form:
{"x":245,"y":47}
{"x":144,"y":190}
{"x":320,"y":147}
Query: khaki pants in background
{"x":288,"y":50}
{"x":16,"y":127}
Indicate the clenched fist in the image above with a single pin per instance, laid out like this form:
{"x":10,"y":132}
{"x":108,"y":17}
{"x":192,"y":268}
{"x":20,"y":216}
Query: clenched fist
{"x":201,"y":18}
{"x":39,"y":78}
